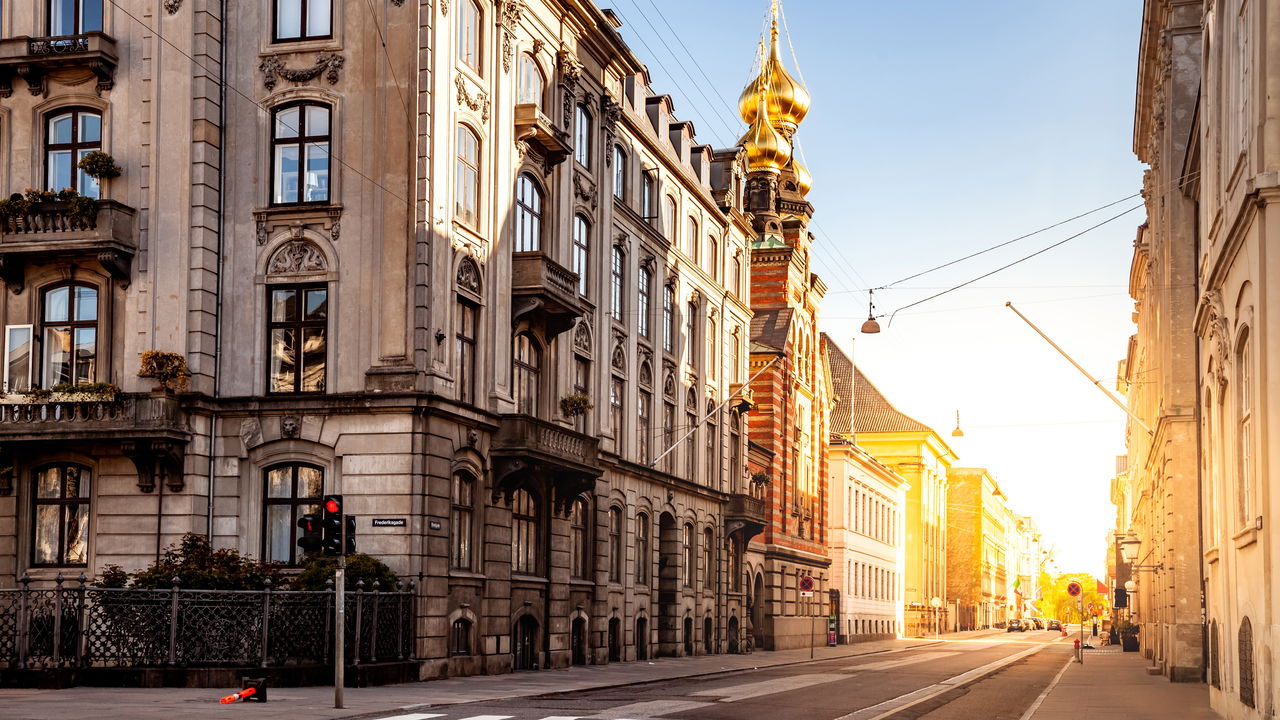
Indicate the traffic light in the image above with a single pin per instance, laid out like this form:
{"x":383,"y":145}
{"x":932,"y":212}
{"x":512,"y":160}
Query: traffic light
{"x":1122,"y":598}
{"x":309,"y":535}
{"x":331,"y":542}
{"x":351,"y":534}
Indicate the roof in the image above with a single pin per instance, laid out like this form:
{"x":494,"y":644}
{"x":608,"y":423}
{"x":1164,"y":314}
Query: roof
{"x":841,"y":368}
{"x":772,"y":327}
{"x":873,"y":413}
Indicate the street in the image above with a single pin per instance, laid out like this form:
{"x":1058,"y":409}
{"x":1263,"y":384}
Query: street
{"x":996,"y":676}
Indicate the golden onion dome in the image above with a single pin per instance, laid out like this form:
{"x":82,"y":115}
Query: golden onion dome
{"x":804,"y":181}
{"x":788,"y":101}
{"x":767,"y":149}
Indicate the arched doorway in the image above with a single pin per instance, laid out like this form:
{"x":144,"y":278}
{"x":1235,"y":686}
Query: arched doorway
{"x":688,"y":637}
{"x":578,"y":639}
{"x":733,"y":635}
{"x":524,"y":643}
{"x":642,"y":639}
{"x":708,"y":636}
{"x":669,"y":551}
{"x":757,"y":612}
{"x":615,"y":640}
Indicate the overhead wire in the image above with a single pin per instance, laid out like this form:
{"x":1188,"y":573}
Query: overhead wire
{"x":390,"y":66}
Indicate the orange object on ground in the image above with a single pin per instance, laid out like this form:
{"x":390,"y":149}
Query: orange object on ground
{"x":238,"y":696}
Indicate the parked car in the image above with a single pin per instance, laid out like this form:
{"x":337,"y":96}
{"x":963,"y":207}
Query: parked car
{"x":1055,"y":625}
{"x":1015,"y":625}
{"x":1038,"y":623}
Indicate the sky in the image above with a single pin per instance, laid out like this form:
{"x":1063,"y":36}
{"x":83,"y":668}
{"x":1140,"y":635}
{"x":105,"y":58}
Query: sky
{"x":939,"y":129}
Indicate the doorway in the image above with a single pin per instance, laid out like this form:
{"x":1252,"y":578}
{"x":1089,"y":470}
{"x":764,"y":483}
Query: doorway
{"x":578,"y":639}
{"x":733,"y":635}
{"x":708,"y":636}
{"x":669,"y":551}
{"x":688,"y":637}
{"x":524,"y":643}
{"x":642,"y":639}
{"x":615,"y":640}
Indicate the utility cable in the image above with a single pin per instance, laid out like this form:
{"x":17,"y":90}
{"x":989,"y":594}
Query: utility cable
{"x":390,"y":66}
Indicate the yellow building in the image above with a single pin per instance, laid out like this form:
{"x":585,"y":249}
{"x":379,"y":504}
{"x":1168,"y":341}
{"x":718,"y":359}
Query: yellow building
{"x":919,"y":455}
{"x":981,"y":550}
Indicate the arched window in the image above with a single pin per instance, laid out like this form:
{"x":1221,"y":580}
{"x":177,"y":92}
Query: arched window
{"x":619,"y":172}
{"x":735,"y":279}
{"x":579,"y":540}
{"x":528,"y":214}
{"x":1244,"y":435}
{"x":69,"y":326}
{"x":467,"y":179}
{"x":617,"y":392}
{"x":460,"y":526}
{"x":617,"y":281}
{"x":69,"y":136}
{"x":469,"y":24}
{"x":712,"y":258}
{"x":644,"y":425}
{"x":61,"y":516}
{"x":643,"y":558}
{"x":468,"y":316}
{"x":691,"y":237}
{"x":297,"y":329}
{"x":527,"y":366}
{"x":713,"y":342}
{"x":460,"y":637}
{"x":686,"y":572}
{"x":581,"y":251}
{"x":291,"y":491}
{"x":74,"y":17}
{"x":301,"y":20}
{"x":615,"y":544}
{"x":582,"y":136}
{"x":735,"y":449}
{"x":524,"y":533}
{"x":691,"y":331}
{"x":713,"y":445}
{"x":669,"y":318}
{"x":300,"y":154}
{"x":648,"y":196}
{"x":644,"y":287}
{"x":671,"y":230}
{"x":708,"y":558}
{"x":532,"y":82}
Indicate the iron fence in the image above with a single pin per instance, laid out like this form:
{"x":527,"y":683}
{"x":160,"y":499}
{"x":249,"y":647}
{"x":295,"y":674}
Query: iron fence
{"x":77,"y":625}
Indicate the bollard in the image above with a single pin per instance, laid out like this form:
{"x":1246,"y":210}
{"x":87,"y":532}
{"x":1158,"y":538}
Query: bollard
{"x":255,"y":690}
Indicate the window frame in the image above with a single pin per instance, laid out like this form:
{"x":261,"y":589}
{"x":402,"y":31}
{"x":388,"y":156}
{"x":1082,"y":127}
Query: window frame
{"x":62,"y":502}
{"x":619,"y":173}
{"x":669,"y":318}
{"x":582,"y":253}
{"x":580,"y":539}
{"x":71,"y":325}
{"x":464,"y":168}
{"x":644,"y":554}
{"x":460,"y":637}
{"x":644,"y":301}
{"x":294,"y":501}
{"x":78,"y":21}
{"x":526,"y":526}
{"x":8,"y":385}
{"x":470,"y":8}
{"x":77,"y":148}
{"x":528,"y":61}
{"x":301,"y":141}
{"x":617,"y":283}
{"x":617,"y":401}
{"x":304,"y":15}
{"x":298,"y":326}
{"x":1244,"y":429}
{"x":466,"y":338}
{"x":688,"y":555}
{"x":462,"y":512}
{"x":527,"y":403}
{"x":616,"y":558}
{"x":528,"y":229}
{"x":582,"y":127}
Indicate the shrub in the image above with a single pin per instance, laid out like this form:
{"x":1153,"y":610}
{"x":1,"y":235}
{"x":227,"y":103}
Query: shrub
{"x":575,"y":404}
{"x":198,"y":566}
{"x":105,"y":390}
{"x":83,"y":209}
{"x":99,"y":165}
{"x":14,"y":206}
{"x":359,"y":567}
{"x":168,"y":367}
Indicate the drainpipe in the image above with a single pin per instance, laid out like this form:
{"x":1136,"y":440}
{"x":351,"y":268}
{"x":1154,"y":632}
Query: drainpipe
{"x":221,"y":231}
{"x":1200,"y":504}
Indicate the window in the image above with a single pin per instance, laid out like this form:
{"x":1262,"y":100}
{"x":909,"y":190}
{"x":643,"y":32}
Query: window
{"x":691,"y":442}
{"x":524,"y":533}
{"x":711,"y":259}
{"x":528,"y":214}
{"x":691,"y":237}
{"x":300,"y":154}
{"x":615,"y":544}
{"x":617,"y":391}
{"x":668,"y":430}
{"x":617,"y":279}
{"x":735,"y":448}
{"x":644,"y":431}
{"x":469,"y":16}
{"x":61,"y":509}
{"x":298,"y":337}
{"x":460,"y":520}
{"x":736,"y":279}
{"x":17,"y":357}
{"x":70,"y":331}
{"x":669,"y":318}
{"x":581,"y":386}
{"x":1244,"y":437}
{"x":644,"y":287}
{"x":581,"y":250}
{"x":735,"y":351}
{"x":460,"y":637}
{"x":466,"y":339}
{"x":303,"y":20}
{"x":713,"y":342}
{"x":70,"y":135}
{"x":708,"y":558}
{"x":73,"y":17}
{"x":713,"y":444}
{"x":466,"y":201}
{"x":735,"y":564}
{"x":292,"y":491}
{"x":686,"y":571}
{"x":619,"y":172}
{"x":642,"y":549}
{"x":691,"y":332}
{"x":648,"y":191}
{"x":579,"y":549}
{"x":582,"y":136}
{"x":527,"y":366}
{"x":532,"y":83}
{"x":669,"y":215}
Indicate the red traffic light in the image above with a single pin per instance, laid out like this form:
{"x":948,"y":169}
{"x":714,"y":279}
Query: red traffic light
{"x":332,"y":505}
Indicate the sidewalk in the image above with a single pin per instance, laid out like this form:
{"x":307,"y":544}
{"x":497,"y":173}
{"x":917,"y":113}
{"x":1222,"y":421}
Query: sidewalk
{"x":317,"y":702}
{"x":1113,"y":684}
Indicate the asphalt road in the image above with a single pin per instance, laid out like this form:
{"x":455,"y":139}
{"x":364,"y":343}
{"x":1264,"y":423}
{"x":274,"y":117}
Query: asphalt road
{"x":989,"y":678}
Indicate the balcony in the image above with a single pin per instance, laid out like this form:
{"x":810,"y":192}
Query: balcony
{"x":150,"y":429}
{"x":529,"y":451}
{"x":544,"y":293}
{"x":744,"y":514}
{"x":536,"y":130}
{"x":32,"y":58}
{"x":49,"y":231}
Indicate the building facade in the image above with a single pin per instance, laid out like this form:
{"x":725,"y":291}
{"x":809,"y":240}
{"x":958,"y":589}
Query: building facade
{"x":538,"y":279}
{"x":982,"y":552}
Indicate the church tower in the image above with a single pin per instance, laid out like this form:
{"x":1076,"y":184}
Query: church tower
{"x":790,"y":391}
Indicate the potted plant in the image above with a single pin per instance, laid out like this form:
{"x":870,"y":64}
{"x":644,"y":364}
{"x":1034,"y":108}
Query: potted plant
{"x":81,"y":209}
{"x":169,"y":368}
{"x":15,"y":206}
{"x":575,"y":404}
{"x":1128,"y":635}
{"x":99,"y":165}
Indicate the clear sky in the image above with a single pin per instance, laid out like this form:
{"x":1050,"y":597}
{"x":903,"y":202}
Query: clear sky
{"x":939,"y":129}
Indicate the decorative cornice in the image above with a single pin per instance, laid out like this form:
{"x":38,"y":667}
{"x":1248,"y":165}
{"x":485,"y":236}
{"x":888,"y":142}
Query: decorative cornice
{"x":273,"y":70}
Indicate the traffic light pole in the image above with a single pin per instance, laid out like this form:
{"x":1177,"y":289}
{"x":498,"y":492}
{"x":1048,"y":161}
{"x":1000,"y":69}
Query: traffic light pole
{"x":340,"y":620}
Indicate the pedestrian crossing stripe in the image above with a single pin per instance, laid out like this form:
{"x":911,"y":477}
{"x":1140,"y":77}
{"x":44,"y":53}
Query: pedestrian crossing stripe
{"x":415,"y":716}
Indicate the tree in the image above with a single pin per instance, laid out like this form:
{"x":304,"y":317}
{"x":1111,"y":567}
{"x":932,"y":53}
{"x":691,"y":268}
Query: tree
{"x":1056,"y":603}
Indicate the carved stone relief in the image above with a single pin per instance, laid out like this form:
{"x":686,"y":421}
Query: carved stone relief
{"x":273,"y":70}
{"x":478,"y":102}
{"x":171,"y":6}
{"x":296,"y":257}
{"x":610,"y":113}
{"x":582,"y":338}
{"x":619,"y":360}
{"x":508,"y":18}
{"x":469,"y":276}
{"x":584,"y":190}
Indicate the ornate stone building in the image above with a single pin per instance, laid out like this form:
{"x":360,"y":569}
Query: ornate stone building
{"x":454,"y":260}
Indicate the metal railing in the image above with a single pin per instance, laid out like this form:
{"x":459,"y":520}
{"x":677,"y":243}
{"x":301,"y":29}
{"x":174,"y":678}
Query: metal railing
{"x":82,"y":626}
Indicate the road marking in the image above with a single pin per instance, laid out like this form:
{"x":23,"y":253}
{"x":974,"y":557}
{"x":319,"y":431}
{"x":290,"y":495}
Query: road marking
{"x":414,"y":716}
{"x":1036,"y":705}
{"x":883,"y":710}
{"x":922,"y":657}
{"x":652,"y":708}
{"x":746,"y":691}
{"x":489,"y":717}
